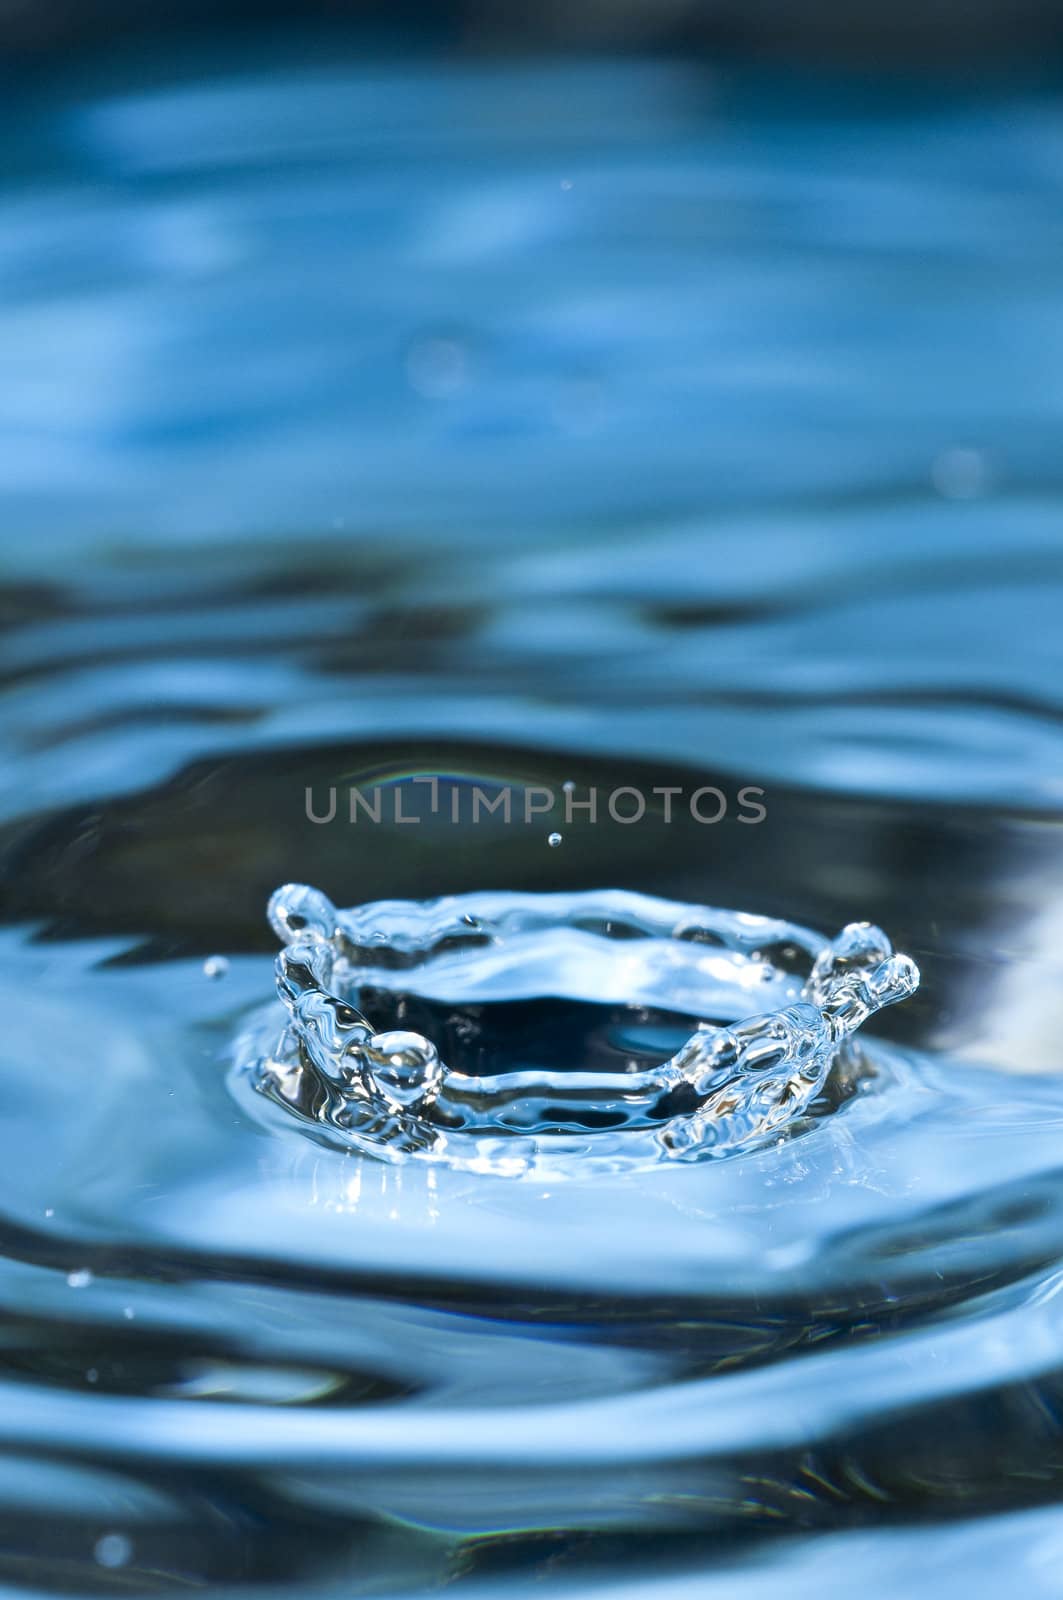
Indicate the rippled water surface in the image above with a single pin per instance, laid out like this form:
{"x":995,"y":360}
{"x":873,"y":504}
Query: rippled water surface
{"x":624,"y":424}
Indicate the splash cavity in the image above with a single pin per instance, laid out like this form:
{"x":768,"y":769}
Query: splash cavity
{"x":510,"y":1032}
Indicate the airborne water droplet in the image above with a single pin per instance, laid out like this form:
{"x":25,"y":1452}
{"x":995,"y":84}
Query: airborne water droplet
{"x":215,"y":967}
{"x":961,"y":473}
{"x":112,"y":1550}
{"x":437,"y":366}
{"x":554,"y":840}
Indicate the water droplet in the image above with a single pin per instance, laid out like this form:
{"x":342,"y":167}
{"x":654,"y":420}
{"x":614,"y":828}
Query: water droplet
{"x":128,"y":1313}
{"x":215,"y":967}
{"x":405,"y":1067}
{"x":296,"y":911}
{"x":553,"y":840}
{"x":437,"y":366}
{"x":49,"y":1211}
{"x":961,"y":474}
{"x":112,"y":1550}
{"x":79,"y":1279}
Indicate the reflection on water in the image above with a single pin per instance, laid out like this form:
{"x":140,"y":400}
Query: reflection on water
{"x":726,"y":407}
{"x":612,"y":424}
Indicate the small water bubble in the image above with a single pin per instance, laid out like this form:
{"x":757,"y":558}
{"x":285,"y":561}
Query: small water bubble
{"x":437,"y":366}
{"x":961,"y":474}
{"x":215,"y":967}
{"x":568,"y":786}
{"x":553,"y":840}
{"x":79,"y":1279}
{"x":112,"y":1550}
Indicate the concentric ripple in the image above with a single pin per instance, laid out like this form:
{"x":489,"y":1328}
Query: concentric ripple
{"x":757,"y":1012}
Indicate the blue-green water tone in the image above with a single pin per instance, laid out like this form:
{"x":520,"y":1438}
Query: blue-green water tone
{"x":629,"y":424}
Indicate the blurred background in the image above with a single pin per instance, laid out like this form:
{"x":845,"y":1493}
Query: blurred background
{"x":532,"y":393}
{"x":630,"y":392}
{"x":949,"y":29}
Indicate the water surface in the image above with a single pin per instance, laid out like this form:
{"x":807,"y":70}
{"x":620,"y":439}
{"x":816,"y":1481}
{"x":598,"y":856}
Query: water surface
{"x":621,"y":423}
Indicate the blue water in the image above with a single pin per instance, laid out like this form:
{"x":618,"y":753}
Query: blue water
{"x":630,"y":424}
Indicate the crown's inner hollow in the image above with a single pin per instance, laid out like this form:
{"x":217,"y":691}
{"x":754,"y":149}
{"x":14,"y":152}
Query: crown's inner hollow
{"x":542,"y":1034}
